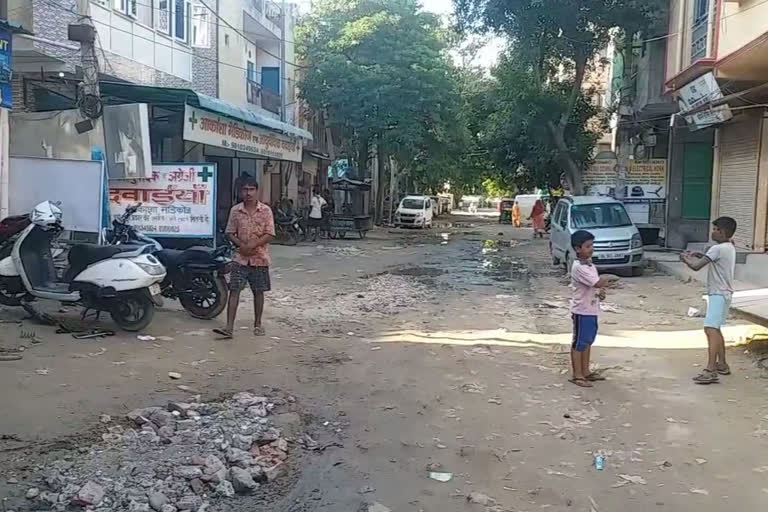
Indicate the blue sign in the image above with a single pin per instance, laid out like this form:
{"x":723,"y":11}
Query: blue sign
{"x":6,"y":90}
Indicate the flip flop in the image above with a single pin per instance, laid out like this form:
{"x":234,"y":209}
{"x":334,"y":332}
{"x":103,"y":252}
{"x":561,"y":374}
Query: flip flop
{"x":259,"y":331}
{"x":581,"y":382}
{"x":706,"y":377}
{"x":594,"y":377}
{"x":223,"y":333}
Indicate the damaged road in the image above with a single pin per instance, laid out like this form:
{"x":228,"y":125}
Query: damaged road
{"x":405,"y":372}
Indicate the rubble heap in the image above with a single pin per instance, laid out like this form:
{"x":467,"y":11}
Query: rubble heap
{"x":171,"y":459}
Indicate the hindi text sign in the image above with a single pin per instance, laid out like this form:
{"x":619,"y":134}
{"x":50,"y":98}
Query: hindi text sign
{"x":178,"y":201}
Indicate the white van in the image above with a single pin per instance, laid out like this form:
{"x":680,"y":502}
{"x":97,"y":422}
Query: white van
{"x":618,"y":244}
{"x":414,"y":212}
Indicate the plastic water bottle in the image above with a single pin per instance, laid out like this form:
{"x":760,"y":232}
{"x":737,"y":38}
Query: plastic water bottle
{"x":599,"y":462}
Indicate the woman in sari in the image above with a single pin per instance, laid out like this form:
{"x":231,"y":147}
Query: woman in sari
{"x":538,"y":216}
{"x":516,"y":215}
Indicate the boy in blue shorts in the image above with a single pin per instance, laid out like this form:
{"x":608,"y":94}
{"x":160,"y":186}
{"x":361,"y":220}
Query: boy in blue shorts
{"x":721,"y":259}
{"x":588,"y":290}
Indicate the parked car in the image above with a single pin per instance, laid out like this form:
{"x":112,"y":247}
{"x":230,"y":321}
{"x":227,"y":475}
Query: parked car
{"x":414,"y":212}
{"x":617,"y":240}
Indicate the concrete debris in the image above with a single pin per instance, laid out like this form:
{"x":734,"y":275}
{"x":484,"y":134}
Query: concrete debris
{"x":440,"y":476}
{"x":374,"y":507}
{"x":183,"y":457}
{"x":174,"y":375}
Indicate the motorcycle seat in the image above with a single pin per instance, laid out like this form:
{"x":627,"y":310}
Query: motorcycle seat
{"x":83,"y":255}
{"x":173,"y":258}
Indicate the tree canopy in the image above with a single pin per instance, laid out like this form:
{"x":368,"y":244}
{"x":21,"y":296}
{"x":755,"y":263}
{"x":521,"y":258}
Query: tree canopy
{"x":545,"y":122}
{"x":380,"y":70}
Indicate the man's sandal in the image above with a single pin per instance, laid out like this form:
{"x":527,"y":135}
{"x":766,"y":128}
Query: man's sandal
{"x":706,"y":377}
{"x":581,"y":382}
{"x":224,"y":334}
{"x":595,"y":377}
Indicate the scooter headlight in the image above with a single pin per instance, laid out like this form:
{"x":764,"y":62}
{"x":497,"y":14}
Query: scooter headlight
{"x":153,"y":270}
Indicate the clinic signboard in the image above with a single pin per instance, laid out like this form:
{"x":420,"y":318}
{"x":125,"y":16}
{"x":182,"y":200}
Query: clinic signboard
{"x":179,"y":200}
{"x":214,"y":130}
{"x":6,"y":64}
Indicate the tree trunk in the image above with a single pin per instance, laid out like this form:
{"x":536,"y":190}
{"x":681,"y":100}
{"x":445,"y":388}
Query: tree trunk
{"x":362,"y":158}
{"x":573,"y":173}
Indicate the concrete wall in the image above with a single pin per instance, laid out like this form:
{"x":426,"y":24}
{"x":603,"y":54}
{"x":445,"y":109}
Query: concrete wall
{"x":741,"y":22}
{"x":681,"y":232}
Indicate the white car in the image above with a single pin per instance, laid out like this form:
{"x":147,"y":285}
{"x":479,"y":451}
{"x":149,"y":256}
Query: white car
{"x":618,"y":244}
{"x":414,"y":212}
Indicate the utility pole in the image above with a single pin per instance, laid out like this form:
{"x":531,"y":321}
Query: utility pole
{"x":88,"y":94}
{"x":625,"y":116}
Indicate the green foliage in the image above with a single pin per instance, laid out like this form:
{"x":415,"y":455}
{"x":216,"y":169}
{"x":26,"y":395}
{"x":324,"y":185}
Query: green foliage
{"x":380,"y":70}
{"x":541,"y":127}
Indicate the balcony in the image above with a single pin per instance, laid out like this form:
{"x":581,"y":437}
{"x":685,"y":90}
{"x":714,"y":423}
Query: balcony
{"x":264,"y":98}
{"x":263,"y":20}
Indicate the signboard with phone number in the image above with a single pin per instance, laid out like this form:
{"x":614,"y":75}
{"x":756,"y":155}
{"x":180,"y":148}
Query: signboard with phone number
{"x":178,"y":201}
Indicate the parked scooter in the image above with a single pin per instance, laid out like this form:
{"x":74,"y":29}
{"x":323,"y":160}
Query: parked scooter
{"x":287,"y":228}
{"x":195,"y":275}
{"x":120,"y":280}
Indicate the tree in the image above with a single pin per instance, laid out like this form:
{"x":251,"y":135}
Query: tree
{"x":380,"y":69}
{"x":554,"y":42}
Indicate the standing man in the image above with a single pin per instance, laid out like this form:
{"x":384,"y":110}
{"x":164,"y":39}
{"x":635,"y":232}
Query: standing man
{"x":250,"y":228}
{"x":316,"y":212}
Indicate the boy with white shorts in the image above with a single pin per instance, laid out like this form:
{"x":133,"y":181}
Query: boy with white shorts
{"x":721,"y":259}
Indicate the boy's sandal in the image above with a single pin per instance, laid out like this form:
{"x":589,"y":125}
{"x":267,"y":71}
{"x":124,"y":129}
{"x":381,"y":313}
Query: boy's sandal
{"x":224,"y":334}
{"x":581,"y":382}
{"x":259,"y":331}
{"x":706,"y":377}
{"x":594,"y":377}
{"x":723,"y":369}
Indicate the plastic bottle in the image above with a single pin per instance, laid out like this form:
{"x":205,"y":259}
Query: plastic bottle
{"x":599,"y":462}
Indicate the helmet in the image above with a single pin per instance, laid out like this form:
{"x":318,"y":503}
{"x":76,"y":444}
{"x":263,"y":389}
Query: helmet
{"x":47,"y":215}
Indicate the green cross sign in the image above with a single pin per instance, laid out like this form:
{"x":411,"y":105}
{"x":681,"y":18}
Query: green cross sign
{"x":193,"y":120}
{"x":205,"y":174}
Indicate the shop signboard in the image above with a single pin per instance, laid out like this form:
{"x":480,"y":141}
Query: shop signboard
{"x":6,"y":64}
{"x":699,"y":92}
{"x":179,"y":200}
{"x":214,"y":130}
{"x":646,"y":186}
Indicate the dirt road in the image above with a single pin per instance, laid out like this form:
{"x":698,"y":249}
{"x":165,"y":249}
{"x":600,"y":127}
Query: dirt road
{"x":447,"y":347}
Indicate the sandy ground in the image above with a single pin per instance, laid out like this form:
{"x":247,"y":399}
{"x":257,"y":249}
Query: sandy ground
{"x":447,"y":346}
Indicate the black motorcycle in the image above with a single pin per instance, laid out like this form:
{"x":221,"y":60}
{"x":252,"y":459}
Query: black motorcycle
{"x":195,"y":276}
{"x":287,"y":228}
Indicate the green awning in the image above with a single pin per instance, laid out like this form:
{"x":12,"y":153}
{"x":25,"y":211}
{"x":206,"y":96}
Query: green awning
{"x":174,"y":96}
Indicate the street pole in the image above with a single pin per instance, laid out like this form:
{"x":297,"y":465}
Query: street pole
{"x":625,"y":107}
{"x":84,"y":32}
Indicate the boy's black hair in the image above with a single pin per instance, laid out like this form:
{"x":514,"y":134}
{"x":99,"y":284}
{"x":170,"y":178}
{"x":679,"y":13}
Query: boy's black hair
{"x":579,"y":237}
{"x":248,"y":181}
{"x":726,"y":224}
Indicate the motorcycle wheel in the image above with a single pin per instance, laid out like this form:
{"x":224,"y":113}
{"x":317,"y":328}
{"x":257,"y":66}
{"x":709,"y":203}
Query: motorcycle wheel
{"x":291,"y":237}
{"x":208,"y":298}
{"x":133,"y":312}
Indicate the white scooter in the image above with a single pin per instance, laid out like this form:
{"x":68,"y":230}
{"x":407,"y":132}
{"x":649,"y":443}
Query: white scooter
{"x":123,"y":280}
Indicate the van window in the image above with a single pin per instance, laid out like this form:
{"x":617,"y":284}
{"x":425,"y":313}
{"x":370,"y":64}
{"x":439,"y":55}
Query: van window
{"x":606,"y":215}
{"x":563,"y":221}
{"x":413,"y":204}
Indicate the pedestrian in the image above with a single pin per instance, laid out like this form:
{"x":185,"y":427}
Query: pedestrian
{"x":316,"y":213}
{"x":251,"y":227}
{"x":588,"y":290}
{"x":516,"y":215}
{"x":538,"y":216}
{"x":721,"y":259}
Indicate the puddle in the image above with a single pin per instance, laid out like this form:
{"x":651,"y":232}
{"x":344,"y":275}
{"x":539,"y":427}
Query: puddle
{"x":418,"y":272}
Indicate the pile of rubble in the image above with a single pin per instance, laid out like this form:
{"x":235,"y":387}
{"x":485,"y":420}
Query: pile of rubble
{"x":182,"y":457}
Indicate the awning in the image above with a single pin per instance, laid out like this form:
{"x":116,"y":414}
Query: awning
{"x":173,"y":96}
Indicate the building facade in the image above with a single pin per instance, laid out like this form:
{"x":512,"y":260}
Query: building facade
{"x":718,"y":50}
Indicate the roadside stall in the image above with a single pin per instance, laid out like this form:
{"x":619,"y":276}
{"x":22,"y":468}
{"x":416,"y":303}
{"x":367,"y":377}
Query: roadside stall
{"x":351,"y":215}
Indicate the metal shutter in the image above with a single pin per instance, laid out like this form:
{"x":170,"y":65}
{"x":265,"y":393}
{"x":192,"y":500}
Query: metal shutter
{"x":739,"y":156}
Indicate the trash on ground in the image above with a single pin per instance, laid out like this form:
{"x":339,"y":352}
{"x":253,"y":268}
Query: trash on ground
{"x":701,"y":461}
{"x":375,"y":507}
{"x":473,"y":387}
{"x":145,"y":337}
{"x":633,"y":479}
{"x":607,"y":307}
{"x":43,"y":371}
{"x":479,"y":498}
{"x":700,"y":491}
{"x":440,"y":476}
{"x":366,"y":490}
{"x":599,"y":462}
{"x":694,"y":312}
{"x":174,"y":375}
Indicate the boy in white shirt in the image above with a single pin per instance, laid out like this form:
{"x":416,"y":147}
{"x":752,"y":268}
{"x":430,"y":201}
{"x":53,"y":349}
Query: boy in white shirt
{"x":721,"y":259}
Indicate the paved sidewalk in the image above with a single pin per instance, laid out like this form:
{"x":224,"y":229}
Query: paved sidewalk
{"x":749,"y":299}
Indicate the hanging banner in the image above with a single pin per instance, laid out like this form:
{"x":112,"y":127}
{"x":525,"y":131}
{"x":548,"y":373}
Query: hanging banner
{"x":178,"y":201}
{"x":646,"y":180}
{"x":208,"y":128}
{"x":6,"y":64}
